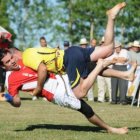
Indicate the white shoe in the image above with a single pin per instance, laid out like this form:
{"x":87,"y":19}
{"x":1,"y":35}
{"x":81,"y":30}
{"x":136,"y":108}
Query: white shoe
{"x":34,"y":98}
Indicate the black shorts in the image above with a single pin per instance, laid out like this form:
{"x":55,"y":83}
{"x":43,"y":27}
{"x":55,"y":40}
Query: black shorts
{"x":75,"y":62}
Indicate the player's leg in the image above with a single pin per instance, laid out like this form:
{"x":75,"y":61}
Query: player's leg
{"x":63,"y":94}
{"x":82,"y":88}
{"x":126,"y":75}
{"x":107,"y":48}
{"x":96,"y":120}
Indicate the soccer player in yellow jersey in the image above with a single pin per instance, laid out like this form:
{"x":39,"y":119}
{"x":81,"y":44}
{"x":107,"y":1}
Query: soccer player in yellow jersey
{"x":74,"y":60}
{"x":51,"y":58}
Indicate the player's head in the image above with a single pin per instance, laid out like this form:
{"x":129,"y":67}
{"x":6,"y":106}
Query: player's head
{"x":7,"y":60}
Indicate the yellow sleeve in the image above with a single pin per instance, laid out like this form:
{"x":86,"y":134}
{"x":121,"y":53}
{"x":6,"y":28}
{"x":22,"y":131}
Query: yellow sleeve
{"x":31,"y":58}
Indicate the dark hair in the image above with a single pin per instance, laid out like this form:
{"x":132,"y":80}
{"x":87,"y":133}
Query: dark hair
{"x":66,"y":43}
{"x":2,"y":54}
{"x":42,"y":38}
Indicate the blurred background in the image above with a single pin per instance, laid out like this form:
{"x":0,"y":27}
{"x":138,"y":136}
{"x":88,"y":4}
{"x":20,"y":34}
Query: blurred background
{"x":60,"y":20}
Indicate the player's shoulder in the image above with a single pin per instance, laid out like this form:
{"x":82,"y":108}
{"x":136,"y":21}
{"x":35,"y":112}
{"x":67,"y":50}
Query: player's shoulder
{"x":20,"y":63}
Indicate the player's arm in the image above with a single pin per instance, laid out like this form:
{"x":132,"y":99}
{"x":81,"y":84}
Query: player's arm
{"x":42,"y":75}
{"x":120,"y":60}
{"x":14,"y":101}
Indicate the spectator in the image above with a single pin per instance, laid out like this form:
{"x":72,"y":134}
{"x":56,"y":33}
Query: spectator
{"x":83,"y":43}
{"x":134,"y":55}
{"x":43,"y":42}
{"x":121,"y":57}
{"x":66,"y":45}
{"x":134,"y":51}
{"x":93,"y":43}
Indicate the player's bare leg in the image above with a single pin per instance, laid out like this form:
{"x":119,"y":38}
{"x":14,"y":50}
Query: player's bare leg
{"x":115,"y":10}
{"x":81,"y":90}
{"x":107,"y":48}
{"x":126,"y":75}
{"x":112,"y":13}
{"x":96,"y":120}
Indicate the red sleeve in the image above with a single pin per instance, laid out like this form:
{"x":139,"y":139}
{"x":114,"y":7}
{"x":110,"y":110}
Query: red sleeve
{"x":52,"y":75}
{"x":18,"y":78}
{"x":13,"y":90}
{"x":48,"y":95}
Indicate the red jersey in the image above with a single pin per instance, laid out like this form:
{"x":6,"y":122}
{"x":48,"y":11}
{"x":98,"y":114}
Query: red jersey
{"x":25,"y":75}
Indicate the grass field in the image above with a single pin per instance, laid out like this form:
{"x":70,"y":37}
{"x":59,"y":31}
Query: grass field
{"x":38,"y":120}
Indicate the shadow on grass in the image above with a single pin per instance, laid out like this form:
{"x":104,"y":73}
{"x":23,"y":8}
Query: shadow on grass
{"x":63,"y":127}
{"x":23,"y":98}
{"x":134,"y":128}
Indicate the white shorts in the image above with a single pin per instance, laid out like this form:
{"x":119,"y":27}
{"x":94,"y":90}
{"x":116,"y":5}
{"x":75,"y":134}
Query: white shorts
{"x":64,"y":95}
{"x":60,"y":87}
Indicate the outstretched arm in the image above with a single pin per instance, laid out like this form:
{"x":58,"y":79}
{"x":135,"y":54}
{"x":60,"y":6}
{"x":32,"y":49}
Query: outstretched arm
{"x":42,"y":75}
{"x":14,"y":101}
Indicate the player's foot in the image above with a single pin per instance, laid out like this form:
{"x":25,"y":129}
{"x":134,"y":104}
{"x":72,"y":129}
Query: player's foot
{"x":115,"y":10}
{"x":130,"y":74}
{"x":122,"y":130}
{"x":100,"y":64}
{"x":107,"y":63}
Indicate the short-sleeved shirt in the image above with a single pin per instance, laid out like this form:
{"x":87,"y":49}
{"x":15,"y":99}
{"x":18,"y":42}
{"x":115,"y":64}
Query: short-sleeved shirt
{"x":26,"y":79}
{"x":123,"y":53}
{"x":75,"y":62}
{"x":17,"y":78}
{"x":52,"y":58}
{"x":133,"y":56}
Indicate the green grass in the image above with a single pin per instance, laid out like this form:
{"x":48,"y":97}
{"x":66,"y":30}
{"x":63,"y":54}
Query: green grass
{"x":38,"y":120}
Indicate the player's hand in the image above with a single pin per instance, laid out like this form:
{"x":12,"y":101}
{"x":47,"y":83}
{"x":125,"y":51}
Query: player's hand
{"x":2,"y":97}
{"x":37,"y":91}
{"x":114,"y":60}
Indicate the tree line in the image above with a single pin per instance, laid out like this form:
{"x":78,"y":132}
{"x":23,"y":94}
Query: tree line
{"x":66,"y":20}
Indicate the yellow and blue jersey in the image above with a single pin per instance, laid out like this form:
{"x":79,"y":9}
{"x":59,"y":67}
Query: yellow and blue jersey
{"x":75,"y":62}
{"x":53,"y":58}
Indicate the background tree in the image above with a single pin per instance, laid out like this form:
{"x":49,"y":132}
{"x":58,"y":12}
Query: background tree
{"x":131,"y":21}
{"x":4,"y":20}
{"x":85,"y":18}
{"x":30,"y":20}
{"x":60,"y":20}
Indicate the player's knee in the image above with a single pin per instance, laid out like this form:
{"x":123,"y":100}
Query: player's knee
{"x":72,"y":102}
{"x":86,"y":109}
{"x":79,"y":91}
